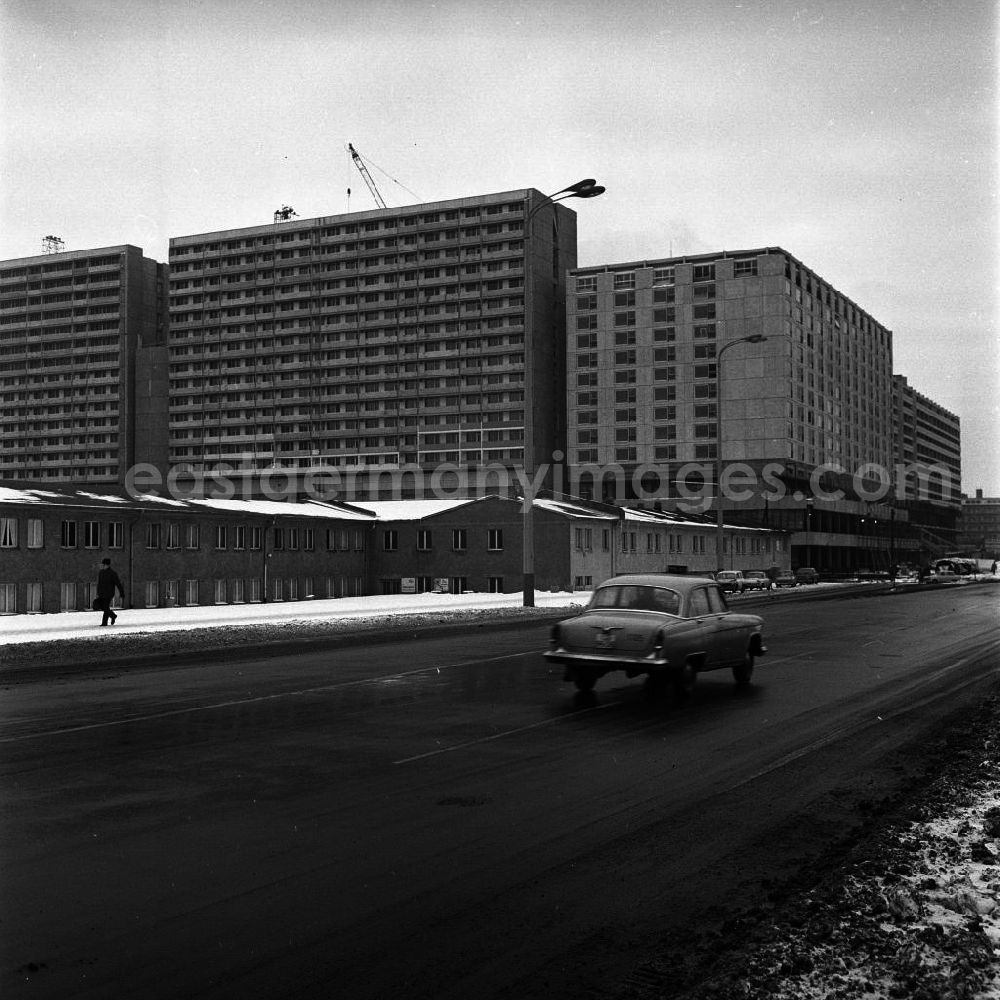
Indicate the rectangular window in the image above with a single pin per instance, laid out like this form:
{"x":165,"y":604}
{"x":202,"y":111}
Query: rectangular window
{"x":423,"y":540}
{"x":278,"y":535}
{"x":91,"y":534}
{"x":308,"y":539}
{"x":36,"y":533}
{"x":153,"y":593}
{"x":494,"y":541}
{"x":239,"y":538}
{"x":293,"y":539}
{"x":191,"y":595}
{"x":625,"y":280}
{"x":34,"y":595}
{"x":744,"y":268}
{"x":390,"y":540}
{"x":221,"y":536}
{"x":67,"y":535}
{"x":293,"y":588}
{"x":255,"y":591}
{"x":8,"y":598}
{"x":586,"y":283}
{"x":8,"y":532}
{"x":277,"y":590}
{"x":153,"y":532}
{"x":220,"y":591}
{"x":192,"y":539}
{"x":173,"y":536}
{"x":256,"y":539}
{"x":625,"y":318}
{"x":663,"y":276}
{"x":67,"y":597}
{"x":704,"y":272}
{"x":237,"y":589}
{"x":705,"y":311}
{"x":170,"y":593}
{"x":459,"y":539}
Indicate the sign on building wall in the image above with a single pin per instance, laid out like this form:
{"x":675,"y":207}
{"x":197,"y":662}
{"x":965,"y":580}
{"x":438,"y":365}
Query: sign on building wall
{"x":409,"y":585}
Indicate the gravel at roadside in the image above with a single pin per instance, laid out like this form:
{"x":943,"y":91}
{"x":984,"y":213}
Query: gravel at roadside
{"x":911,"y":912}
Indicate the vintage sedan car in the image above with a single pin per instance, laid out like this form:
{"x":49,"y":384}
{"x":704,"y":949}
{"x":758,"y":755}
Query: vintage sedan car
{"x":756,"y":579}
{"x":786,"y":578}
{"x":806,"y":574}
{"x":730,"y":581}
{"x":668,"y":628}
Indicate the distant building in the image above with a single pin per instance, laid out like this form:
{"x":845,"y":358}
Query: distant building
{"x":398,"y":349}
{"x":979,"y":527}
{"x":807,"y":410}
{"x":928,"y":463}
{"x":83,"y":389}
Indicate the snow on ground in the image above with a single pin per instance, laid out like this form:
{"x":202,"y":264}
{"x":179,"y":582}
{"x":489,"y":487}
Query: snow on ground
{"x":82,"y":624}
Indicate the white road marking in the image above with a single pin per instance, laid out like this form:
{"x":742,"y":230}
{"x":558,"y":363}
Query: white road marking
{"x":508,"y":732}
{"x":128,"y":720}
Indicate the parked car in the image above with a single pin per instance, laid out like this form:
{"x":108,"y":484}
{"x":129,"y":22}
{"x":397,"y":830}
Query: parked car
{"x":756,"y":579}
{"x":668,"y":628}
{"x":806,"y":574}
{"x":730,"y":581}
{"x":786,"y":578}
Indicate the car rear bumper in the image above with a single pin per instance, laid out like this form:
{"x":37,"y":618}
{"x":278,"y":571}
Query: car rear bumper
{"x":605,"y":662}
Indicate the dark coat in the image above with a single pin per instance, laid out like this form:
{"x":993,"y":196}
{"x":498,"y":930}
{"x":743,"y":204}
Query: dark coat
{"x":108,"y":582}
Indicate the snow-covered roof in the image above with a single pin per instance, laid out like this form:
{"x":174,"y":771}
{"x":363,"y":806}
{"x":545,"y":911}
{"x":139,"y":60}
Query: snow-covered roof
{"x":574,"y":510}
{"x":265,"y":508}
{"x":415,"y":510}
{"x":277,"y":508}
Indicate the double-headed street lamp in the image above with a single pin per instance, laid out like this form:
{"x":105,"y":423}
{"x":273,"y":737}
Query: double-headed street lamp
{"x":587,"y":188}
{"x":756,"y":338}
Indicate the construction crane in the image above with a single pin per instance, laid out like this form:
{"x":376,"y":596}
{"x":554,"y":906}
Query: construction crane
{"x":363,"y":170}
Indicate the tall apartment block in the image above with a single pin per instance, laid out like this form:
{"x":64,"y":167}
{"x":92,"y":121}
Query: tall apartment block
{"x":82,"y":366}
{"x":371,"y":343}
{"x":929,"y":447}
{"x":645,"y":339}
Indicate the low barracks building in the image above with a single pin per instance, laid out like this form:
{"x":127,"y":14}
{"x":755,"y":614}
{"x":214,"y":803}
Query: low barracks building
{"x":196,"y":552}
{"x":459,"y":545}
{"x":174,"y":552}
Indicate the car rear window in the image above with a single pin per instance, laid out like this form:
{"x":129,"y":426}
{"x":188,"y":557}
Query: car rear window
{"x":635,"y":598}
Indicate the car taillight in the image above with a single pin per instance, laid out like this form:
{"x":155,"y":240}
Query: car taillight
{"x":554,"y":636}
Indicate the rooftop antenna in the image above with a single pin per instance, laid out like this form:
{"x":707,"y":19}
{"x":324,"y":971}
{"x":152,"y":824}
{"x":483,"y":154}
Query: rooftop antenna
{"x":285,"y":213}
{"x":52,"y":244}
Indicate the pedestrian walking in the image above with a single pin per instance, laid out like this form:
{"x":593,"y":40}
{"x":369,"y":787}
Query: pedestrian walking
{"x":993,"y":568}
{"x":108,"y":582}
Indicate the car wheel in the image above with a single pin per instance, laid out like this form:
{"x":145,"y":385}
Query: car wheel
{"x":742,"y":672}
{"x":585,"y":681}
{"x":683,"y":682}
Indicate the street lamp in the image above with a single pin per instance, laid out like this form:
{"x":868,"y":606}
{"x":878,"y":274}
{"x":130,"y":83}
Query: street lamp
{"x":756,"y":338}
{"x":587,"y":188}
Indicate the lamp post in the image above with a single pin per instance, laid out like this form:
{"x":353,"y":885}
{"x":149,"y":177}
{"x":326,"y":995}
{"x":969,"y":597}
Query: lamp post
{"x":588,"y":188}
{"x":756,"y":338}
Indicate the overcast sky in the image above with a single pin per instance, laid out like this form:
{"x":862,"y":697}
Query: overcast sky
{"x":860,"y":136}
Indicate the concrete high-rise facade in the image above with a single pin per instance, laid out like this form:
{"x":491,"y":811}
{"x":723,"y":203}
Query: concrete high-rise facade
{"x":77,"y":329}
{"x":805,"y":406}
{"x":397,"y":349}
{"x":928,"y":462}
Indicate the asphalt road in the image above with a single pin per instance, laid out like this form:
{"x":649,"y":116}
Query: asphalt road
{"x":437,"y":819}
